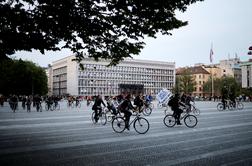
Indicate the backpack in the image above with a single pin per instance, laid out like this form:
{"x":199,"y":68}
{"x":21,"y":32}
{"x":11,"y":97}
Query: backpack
{"x":123,"y":105}
{"x":171,"y":102}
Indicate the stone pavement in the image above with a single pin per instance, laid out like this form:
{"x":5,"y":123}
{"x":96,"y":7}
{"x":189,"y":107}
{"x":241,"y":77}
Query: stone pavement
{"x":68,"y":137}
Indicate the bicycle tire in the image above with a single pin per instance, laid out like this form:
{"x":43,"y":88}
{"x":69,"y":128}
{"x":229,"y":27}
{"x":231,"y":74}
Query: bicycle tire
{"x":151,"y":105}
{"x":239,"y":106}
{"x":118,"y":124}
{"x":102,"y":118}
{"x":147,"y":111}
{"x":220,"y":107}
{"x":139,"y":125}
{"x":92,"y":118}
{"x":196,"y":111}
{"x":109,"y":116}
{"x":169,"y":120}
{"x":190,"y":121}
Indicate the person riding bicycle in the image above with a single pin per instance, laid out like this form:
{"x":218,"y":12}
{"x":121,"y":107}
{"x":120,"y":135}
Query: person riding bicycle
{"x":125,"y":108}
{"x":97,"y":107}
{"x":111,"y":106}
{"x":138,"y":102}
{"x":174,"y":103}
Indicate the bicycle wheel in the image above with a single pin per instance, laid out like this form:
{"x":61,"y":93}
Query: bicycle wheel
{"x":118,"y":124}
{"x":141,"y":125}
{"x":102,"y":118}
{"x":220,"y":107}
{"x":109,"y":116}
{"x":169,"y":120}
{"x":147,"y":111}
{"x":151,"y":105}
{"x":240,"y":106}
{"x":190,"y":121}
{"x":92,"y":118}
{"x":195,"y":110}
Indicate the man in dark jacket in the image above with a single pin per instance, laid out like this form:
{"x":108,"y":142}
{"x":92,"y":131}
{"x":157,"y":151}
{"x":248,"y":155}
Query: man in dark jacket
{"x":174,"y":104}
{"x":126,"y":106}
{"x":97,"y":107}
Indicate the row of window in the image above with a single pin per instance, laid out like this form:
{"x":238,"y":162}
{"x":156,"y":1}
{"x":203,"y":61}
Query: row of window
{"x":125,"y":76}
{"x":94,"y":67}
{"x":114,"y":84}
{"x":59,"y":71}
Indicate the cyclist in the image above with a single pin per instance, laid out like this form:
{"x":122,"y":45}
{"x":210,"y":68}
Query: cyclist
{"x":111,"y":106}
{"x":97,"y":107}
{"x":28,"y":103}
{"x":174,"y":103}
{"x":188,"y":101}
{"x":138,"y":102}
{"x":125,"y":108}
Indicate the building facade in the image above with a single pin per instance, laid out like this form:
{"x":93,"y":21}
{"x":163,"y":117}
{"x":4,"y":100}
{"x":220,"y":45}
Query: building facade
{"x":246,"y":68}
{"x":200,"y":76}
{"x":231,"y":67}
{"x":98,"y":78}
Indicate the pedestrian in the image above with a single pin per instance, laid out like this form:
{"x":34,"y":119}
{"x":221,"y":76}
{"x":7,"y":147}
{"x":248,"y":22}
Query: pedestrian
{"x":28,"y":103}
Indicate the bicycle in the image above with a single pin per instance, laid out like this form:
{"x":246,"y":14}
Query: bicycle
{"x":189,"y":120}
{"x":193,"y":109}
{"x":102,"y":118}
{"x":230,"y":105}
{"x":140,"y":124}
{"x":147,"y":109}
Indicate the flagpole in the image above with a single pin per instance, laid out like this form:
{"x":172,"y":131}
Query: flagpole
{"x":211,"y":60}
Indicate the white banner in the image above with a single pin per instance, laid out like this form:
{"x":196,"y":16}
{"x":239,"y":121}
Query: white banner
{"x":164,"y":95}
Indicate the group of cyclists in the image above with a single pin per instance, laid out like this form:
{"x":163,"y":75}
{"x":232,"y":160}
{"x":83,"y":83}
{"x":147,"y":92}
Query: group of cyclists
{"x":121,"y":103}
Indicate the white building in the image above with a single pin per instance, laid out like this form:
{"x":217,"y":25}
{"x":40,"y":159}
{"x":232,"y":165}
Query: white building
{"x":97,"y":78}
{"x":246,"y":68}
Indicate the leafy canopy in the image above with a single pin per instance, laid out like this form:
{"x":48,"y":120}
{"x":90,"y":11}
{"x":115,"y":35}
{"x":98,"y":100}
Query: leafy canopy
{"x":110,"y":29}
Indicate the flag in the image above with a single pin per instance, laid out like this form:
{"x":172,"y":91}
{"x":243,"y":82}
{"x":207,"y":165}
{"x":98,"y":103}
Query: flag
{"x":211,"y":55}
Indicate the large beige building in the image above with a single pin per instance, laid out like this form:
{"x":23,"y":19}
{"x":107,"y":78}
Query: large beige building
{"x":200,"y":76}
{"x":97,"y":78}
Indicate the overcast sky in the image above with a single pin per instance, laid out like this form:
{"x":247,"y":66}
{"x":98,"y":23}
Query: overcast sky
{"x":227,"y":24}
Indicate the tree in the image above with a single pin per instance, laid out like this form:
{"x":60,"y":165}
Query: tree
{"x":22,"y":78}
{"x":109,"y":29}
{"x":223,"y":86}
{"x":207,"y":87}
{"x":185,"y":82}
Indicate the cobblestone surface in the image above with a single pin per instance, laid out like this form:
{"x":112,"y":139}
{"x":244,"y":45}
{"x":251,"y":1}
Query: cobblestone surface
{"x":68,"y":137}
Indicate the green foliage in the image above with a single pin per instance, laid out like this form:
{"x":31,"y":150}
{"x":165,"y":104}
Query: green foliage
{"x":110,"y":29}
{"x":226,"y":86}
{"x":22,"y":78}
{"x":207,"y":87}
{"x":185,"y":83}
